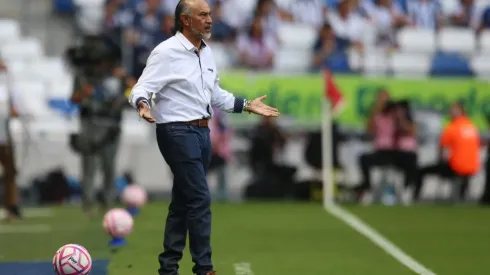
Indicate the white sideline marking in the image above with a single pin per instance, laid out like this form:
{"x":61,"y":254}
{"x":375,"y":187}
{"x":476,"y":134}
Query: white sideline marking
{"x":243,"y":269}
{"x":30,"y":213}
{"x":28,"y":228}
{"x":378,"y":239}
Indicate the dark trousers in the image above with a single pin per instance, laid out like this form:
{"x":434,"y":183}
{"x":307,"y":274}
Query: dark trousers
{"x":405,"y":161}
{"x":187,"y":150}
{"x":8,"y":164}
{"x":485,"y":198}
{"x":443,"y":170}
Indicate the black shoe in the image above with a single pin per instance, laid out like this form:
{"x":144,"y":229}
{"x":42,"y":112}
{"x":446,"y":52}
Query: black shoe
{"x":359,"y":192}
{"x":13,"y":212}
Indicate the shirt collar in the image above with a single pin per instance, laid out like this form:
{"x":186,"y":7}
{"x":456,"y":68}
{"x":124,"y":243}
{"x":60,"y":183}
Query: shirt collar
{"x":187,"y":44}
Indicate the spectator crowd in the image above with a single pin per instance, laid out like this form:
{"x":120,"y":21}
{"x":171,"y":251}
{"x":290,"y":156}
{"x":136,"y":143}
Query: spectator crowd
{"x":250,"y":28}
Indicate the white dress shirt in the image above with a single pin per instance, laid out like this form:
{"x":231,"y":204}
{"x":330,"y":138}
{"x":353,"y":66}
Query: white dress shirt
{"x":184,"y":82}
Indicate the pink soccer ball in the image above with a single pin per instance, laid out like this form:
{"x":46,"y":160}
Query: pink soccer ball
{"x":134,"y":196}
{"x":118,"y":222}
{"x":72,"y":259}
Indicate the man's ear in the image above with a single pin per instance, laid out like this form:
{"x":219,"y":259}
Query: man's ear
{"x":185,"y":20}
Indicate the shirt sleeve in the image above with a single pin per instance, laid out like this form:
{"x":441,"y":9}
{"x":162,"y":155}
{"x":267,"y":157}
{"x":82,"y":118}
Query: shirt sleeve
{"x":154,"y":77}
{"x":225,"y":100}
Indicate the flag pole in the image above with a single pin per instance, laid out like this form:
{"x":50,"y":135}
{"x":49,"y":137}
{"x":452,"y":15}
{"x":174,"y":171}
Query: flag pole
{"x":327,"y":169}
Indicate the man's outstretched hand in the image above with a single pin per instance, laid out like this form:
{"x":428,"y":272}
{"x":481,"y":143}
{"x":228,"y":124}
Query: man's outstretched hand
{"x":144,"y":112}
{"x":256,"y":106}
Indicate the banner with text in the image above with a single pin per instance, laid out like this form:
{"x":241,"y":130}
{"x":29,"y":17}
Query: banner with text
{"x":299,"y":97}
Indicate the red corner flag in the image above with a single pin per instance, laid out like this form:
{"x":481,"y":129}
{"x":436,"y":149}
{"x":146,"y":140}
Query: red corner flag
{"x":333,"y":93}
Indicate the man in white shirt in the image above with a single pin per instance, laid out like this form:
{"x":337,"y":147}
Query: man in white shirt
{"x":181,"y":75}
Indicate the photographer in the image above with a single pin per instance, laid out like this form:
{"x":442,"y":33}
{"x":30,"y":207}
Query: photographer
{"x":391,"y":125}
{"x":99,"y":90}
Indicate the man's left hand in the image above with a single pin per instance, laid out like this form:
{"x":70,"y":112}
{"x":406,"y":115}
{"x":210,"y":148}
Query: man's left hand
{"x":256,"y":106}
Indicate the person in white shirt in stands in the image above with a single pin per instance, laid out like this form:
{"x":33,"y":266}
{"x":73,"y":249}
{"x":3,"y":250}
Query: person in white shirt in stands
{"x":181,"y":74}
{"x":467,"y":13}
{"x":256,"y":47}
{"x":347,"y":24}
{"x":425,"y":14}
{"x":309,"y":12}
{"x":269,"y":15}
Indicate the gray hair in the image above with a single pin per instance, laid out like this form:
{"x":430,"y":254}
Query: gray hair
{"x":183,"y":7}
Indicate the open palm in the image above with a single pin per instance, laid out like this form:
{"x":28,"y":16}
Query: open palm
{"x":258,"y":107}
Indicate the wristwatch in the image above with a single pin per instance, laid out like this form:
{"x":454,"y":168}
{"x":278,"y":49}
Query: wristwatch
{"x":246,"y":106}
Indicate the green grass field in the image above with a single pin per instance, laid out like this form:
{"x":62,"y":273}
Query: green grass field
{"x":276,"y":238}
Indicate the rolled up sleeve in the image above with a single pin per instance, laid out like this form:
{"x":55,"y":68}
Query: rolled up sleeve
{"x":225,"y":100}
{"x":154,"y":77}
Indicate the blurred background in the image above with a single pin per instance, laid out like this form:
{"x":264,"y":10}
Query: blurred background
{"x":426,"y":55}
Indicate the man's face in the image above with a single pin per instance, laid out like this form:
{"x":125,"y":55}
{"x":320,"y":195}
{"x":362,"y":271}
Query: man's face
{"x":383,"y":96}
{"x":467,"y":3}
{"x":200,"y":20}
{"x":456,"y":111}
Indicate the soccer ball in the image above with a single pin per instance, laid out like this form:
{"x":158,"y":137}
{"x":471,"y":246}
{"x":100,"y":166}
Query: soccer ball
{"x":134,"y":196}
{"x":118,"y":222}
{"x":72,"y":259}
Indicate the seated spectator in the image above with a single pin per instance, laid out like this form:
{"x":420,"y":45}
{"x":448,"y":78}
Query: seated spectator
{"x":375,"y":10}
{"x":268,"y":140}
{"x":485,"y":20}
{"x":256,"y":48}
{"x":142,"y":35}
{"x":221,"y":31}
{"x":113,"y":11}
{"x":269,"y":15}
{"x":393,"y":130}
{"x":464,"y":14}
{"x":325,"y":47}
{"x":425,"y":14}
{"x":347,"y":24}
{"x":461,"y":138}
{"x":405,"y":142}
{"x":271,"y":178}
{"x":383,"y":21}
{"x":310,"y":12}
{"x":118,"y":16}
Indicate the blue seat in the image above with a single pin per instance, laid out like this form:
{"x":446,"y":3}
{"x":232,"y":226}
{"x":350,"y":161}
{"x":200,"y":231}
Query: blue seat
{"x":64,"y":106}
{"x":450,"y":64}
{"x":338,"y":63}
{"x":63,"y":6}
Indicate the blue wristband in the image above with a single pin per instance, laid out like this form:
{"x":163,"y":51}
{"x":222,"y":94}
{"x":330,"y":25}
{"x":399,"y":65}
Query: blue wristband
{"x":141,"y":99}
{"x":239,"y":105}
